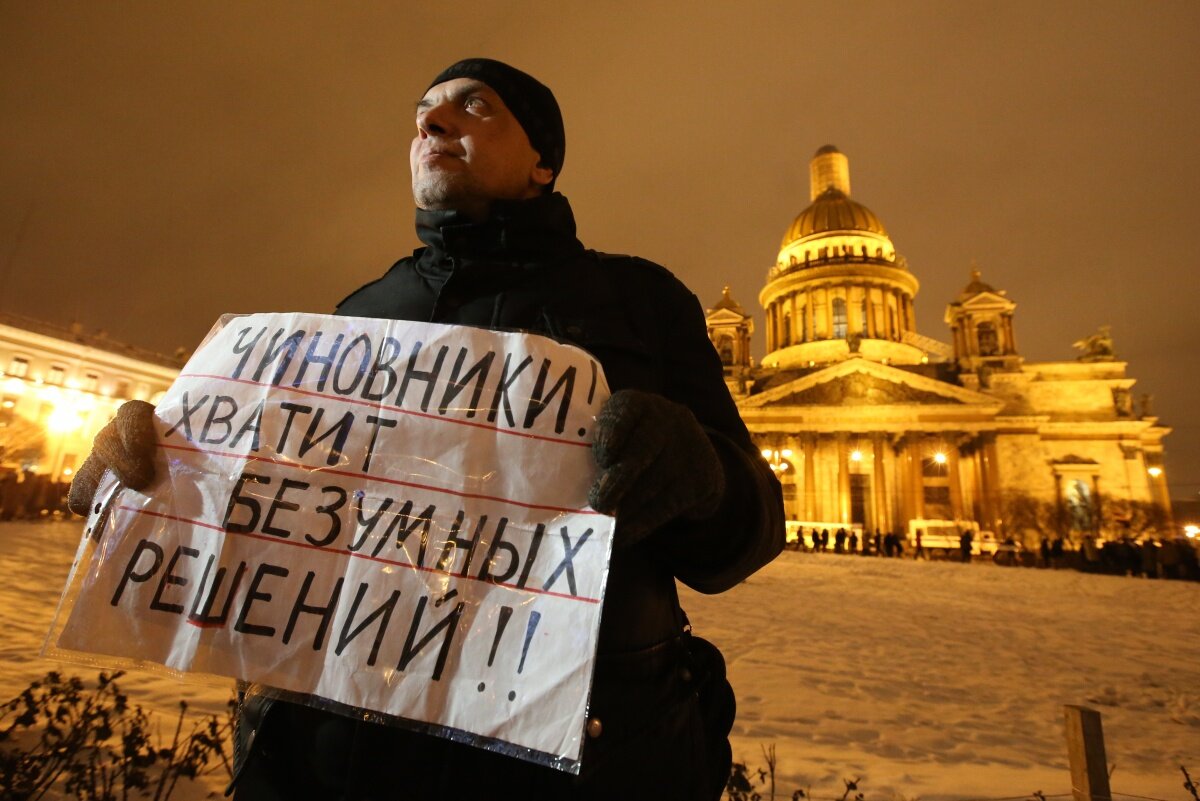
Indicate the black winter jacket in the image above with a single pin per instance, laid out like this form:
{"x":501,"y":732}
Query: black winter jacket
{"x":524,"y":269}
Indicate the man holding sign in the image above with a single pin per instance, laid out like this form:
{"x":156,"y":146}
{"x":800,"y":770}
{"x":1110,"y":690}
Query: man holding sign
{"x":692,"y":499}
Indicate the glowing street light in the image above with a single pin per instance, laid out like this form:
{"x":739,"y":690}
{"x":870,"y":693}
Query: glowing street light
{"x":776,"y":458}
{"x":856,"y":456}
{"x":939,"y":457}
{"x":1155,"y":471}
{"x":1192,"y":531}
{"x":64,"y":419}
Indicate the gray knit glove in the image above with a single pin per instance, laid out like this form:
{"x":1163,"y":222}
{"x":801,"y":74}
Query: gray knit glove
{"x":656,"y":463}
{"x":126,"y":446}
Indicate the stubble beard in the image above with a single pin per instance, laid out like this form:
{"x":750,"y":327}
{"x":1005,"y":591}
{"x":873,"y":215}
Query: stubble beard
{"x":440,"y":191}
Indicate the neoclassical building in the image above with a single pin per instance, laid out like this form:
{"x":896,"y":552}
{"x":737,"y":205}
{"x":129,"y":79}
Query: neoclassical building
{"x":59,"y":386}
{"x":871,"y":424}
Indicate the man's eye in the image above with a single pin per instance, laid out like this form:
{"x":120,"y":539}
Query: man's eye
{"x":474,"y":103}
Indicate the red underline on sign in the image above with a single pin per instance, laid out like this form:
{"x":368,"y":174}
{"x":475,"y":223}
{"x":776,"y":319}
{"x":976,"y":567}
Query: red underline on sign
{"x":396,"y":409}
{"x":368,"y":477}
{"x":355,"y":555}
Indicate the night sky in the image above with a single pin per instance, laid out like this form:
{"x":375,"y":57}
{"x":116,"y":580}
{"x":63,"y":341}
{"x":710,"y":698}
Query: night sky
{"x":162,"y":163}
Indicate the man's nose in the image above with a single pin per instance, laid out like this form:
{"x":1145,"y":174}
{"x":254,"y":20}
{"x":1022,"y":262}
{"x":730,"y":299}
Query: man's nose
{"x":434,"y":120}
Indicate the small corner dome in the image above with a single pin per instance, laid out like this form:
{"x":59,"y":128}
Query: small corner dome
{"x":977,"y":286}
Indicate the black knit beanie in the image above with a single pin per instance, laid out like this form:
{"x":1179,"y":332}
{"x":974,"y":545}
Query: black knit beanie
{"x":530,"y":101}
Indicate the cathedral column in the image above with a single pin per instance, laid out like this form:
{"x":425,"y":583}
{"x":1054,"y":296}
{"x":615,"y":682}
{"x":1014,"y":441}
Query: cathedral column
{"x":794,"y":336}
{"x":843,"y":489}
{"x":808,"y":317}
{"x":917,"y":468}
{"x":872,"y":323}
{"x":956,"y":493}
{"x":810,"y":477}
{"x":977,"y":464}
{"x":990,"y":483}
{"x":901,"y":471}
{"x":792,"y":508}
{"x":879,"y":480}
{"x":1010,"y":343}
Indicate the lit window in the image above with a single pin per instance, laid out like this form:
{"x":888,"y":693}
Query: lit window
{"x":56,"y":375}
{"x":91,"y":382}
{"x":122,"y":390}
{"x":18,"y":367}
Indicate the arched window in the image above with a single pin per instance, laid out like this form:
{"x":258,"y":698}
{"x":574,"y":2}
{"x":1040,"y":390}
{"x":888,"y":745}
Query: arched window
{"x":839,"y":318}
{"x":989,"y":343}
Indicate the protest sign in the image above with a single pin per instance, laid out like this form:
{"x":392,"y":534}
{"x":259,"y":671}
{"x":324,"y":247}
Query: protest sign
{"x":388,"y":515}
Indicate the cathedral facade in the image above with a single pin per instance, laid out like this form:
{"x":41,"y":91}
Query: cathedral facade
{"x":873,"y":426}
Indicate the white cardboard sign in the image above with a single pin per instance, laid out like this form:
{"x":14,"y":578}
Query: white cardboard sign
{"x":388,"y":515}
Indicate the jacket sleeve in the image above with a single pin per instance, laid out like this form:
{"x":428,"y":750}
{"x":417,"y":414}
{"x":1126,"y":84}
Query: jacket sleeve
{"x":747,"y":530}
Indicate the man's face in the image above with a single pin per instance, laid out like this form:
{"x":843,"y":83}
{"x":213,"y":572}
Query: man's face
{"x":470,"y":150}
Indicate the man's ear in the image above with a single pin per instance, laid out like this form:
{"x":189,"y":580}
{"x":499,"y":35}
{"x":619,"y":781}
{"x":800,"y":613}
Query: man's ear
{"x":541,"y":175}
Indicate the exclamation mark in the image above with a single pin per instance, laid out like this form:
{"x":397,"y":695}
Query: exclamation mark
{"x":534,"y":618}
{"x":591,"y":393}
{"x":505,"y":614}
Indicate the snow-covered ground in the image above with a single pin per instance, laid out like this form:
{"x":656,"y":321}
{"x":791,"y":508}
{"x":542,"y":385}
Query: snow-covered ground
{"x":924,"y":679}
{"x":942,"y":680}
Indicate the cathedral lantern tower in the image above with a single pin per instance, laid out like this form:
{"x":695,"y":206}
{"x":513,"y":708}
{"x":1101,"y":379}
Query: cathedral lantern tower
{"x":838,"y":286}
{"x":981,"y":320}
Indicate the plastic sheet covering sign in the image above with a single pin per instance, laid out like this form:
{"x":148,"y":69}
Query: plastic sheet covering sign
{"x":390,"y":516}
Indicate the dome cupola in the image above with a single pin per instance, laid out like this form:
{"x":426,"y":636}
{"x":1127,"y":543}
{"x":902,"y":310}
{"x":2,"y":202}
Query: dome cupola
{"x":838,"y":288}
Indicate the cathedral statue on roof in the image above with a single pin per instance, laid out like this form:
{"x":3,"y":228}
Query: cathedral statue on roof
{"x":874,"y":427}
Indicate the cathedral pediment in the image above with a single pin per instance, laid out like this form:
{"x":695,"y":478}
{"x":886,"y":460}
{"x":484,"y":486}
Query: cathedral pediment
{"x":860,"y":389}
{"x":726,"y":316}
{"x":860,"y":382}
{"x":987,"y":300}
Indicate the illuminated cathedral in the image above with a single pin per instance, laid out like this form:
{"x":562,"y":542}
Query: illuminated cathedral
{"x":873,"y":426}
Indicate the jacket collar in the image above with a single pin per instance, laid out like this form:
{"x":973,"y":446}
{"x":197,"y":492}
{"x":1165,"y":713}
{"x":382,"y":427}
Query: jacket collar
{"x":518,"y":231}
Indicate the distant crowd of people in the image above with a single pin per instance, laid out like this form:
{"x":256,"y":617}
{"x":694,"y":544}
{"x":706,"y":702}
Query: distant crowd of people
{"x":31,"y":496}
{"x":1149,"y":557}
{"x":845,"y":541}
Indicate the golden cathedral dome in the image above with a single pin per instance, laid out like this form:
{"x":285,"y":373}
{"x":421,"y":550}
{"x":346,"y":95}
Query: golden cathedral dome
{"x":834,"y":227}
{"x":833,"y":211}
